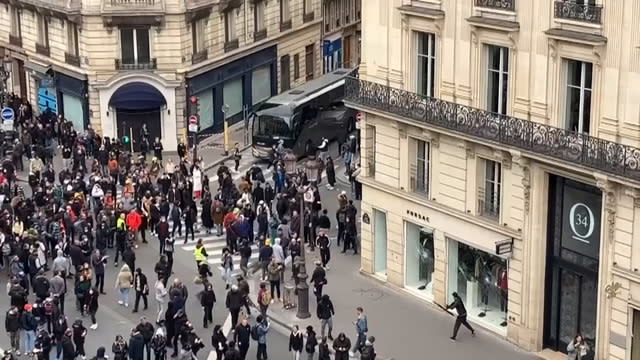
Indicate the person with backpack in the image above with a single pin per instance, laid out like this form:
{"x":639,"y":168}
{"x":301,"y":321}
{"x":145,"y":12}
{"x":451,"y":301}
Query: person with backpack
{"x":264,"y":299}
{"x":120,"y":349}
{"x":367,"y":352}
{"x":259,"y":333}
{"x":159,"y":344}
{"x":219,"y":342}
{"x":312,"y":342}
{"x":12,"y":327}
{"x":242,"y":337}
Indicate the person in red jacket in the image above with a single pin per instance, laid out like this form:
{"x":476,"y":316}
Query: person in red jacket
{"x":134,"y":221}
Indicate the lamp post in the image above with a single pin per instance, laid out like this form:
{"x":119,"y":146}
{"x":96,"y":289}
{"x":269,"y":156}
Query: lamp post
{"x":289,"y":159}
{"x":225,"y":110}
{"x":311,"y":168}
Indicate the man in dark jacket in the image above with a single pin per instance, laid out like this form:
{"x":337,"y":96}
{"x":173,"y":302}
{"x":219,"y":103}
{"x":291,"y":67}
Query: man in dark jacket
{"x":325,"y":313}
{"x":68,"y":350}
{"x":461,"y":319}
{"x":234,"y":302}
{"x":146,"y":330}
{"x":242,"y":336}
{"x":341,"y":346}
{"x":12,"y":327}
{"x":141,"y":286}
{"x":97,"y":262}
{"x":41,"y":287}
{"x":29,"y":325}
{"x":232,"y":353}
{"x":136,"y":345}
{"x":319,"y":279}
{"x":162,"y":229}
{"x":207,"y":300}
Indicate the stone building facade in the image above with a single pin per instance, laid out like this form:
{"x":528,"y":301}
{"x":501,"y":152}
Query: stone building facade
{"x":118,"y":64}
{"x":501,"y":160}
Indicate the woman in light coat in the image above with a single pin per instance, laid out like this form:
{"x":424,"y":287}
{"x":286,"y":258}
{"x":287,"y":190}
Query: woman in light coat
{"x":124,"y":282}
{"x":161,"y":298}
{"x":577,"y":348}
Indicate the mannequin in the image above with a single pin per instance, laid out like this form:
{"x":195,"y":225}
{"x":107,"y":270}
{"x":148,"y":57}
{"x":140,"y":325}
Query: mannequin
{"x":485,"y":285}
{"x":426,"y":259}
{"x":504,"y":289}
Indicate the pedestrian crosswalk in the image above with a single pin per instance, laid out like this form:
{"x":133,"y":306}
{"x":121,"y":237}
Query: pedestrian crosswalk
{"x":214,"y":245}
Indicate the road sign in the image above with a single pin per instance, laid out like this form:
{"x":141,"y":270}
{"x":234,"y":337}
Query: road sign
{"x":193,"y":123}
{"x":7,"y":114}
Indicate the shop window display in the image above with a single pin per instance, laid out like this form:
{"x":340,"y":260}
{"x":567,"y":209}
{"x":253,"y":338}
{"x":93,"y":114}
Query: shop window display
{"x":420,"y":259}
{"x":481,"y":281}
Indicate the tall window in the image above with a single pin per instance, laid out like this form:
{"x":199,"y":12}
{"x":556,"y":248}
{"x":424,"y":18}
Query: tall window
{"x":16,"y":26}
{"x":43,"y":31}
{"x":296,"y":67}
{"x":285,"y":11}
{"x":309,"y":61}
{"x":198,"y":29}
{"x":230,"y":26}
{"x":134,"y":43}
{"x":491,"y":188}
{"x":285,"y":73}
{"x":578,"y":105}
{"x":308,"y":6}
{"x":72,"y":39}
{"x":498,"y":79}
{"x":422,"y":164}
{"x":258,"y":15}
{"x":426,"y":63}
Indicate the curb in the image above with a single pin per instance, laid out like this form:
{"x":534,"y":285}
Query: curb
{"x":223,"y":158}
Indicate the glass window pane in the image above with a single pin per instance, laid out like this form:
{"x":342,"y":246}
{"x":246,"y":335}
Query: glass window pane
{"x":574,"y":69}
{"x":142,"y":38}
{"x":494,"y":57}
{"x":432,"y":78}
{"x":505,"y":59}
{"x":569,"y":297}
{"x":586,"y":112}
{"x":232,"y":96}
{"x":261,"y":84}
{"x":73,"y":111}
{"x":493,"y":91}
{"x":573,"y":108}
{"x":505,"y":86}
{"x":588,"y":71}
{"x":126,"y":43}
{"x":205,"y":101}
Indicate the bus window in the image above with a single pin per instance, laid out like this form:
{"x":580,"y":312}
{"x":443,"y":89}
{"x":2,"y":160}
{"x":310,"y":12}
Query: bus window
{"x":271,"y":126}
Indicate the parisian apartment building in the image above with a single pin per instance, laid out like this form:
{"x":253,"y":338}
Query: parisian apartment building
{"x":119,"y":64}
{"x":501,"y":160}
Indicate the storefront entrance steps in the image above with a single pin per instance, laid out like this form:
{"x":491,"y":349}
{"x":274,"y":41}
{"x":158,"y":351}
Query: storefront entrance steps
{"x":548,"y":354}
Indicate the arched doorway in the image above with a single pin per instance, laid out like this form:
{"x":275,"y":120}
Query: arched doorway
{"x":137,"y":104}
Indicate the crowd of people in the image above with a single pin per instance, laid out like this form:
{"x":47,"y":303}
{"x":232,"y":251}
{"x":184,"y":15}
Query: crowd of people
{"x":106,"y":201}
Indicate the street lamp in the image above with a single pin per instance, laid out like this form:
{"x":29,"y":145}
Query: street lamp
{"x":225,"y":110}
{"x":311,"y":168}
{"x":289,"y":159}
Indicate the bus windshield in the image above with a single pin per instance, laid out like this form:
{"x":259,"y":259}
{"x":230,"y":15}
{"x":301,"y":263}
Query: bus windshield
{"x":272,"y":126}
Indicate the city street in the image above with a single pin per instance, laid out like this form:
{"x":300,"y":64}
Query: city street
{"x":404,"y":327}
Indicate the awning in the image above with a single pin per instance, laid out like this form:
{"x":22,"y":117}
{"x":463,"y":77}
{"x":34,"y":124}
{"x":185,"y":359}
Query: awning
{"x":41,"y":70}
{"x":137,"y":96}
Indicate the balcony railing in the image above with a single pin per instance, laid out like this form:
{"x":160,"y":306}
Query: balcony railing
{"x":572,"y":10}
{"x":231,"y":45}
{"x":43,"y":50}
{"x":72,"y":59}
{"x":132,"y":3}
{"x":260,"y":35}
{"x":497,"y":4}
{"x":151,"y":65}
{"x":199,"y":56}
{"x":529,"y":136}
{"x":15,"y":40}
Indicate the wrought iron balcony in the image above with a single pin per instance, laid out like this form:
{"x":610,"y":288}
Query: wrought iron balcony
{"x":43,"y":49}
{"x":72,"y":59}
{"x":572,"y":10}
{"x":528,"y":136}
{"x":497,"y":4}
{"x":132,"y":8}
{"x":15,"y":40}
{"x":199,"y":56}
{"x":152,"y":64}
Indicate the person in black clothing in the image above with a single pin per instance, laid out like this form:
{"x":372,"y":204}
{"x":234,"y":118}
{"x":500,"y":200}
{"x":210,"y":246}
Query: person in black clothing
{"x":461,"y":319}
{"x":319,"y":279}
{"x":190,"y":218}
{"x":141,"y":286}
{"x":242,"y":337}
{"x":232,"y":353}
{"x":79,"y":334}
{"x":207,"y":300}
{"x":157,"y":149}
{"x":43,"y":344}
{"x":324,"y":244}
{"x":146,"y":329}
{"x":219,"y":342}
{"x":68,"y":350}
{"x":136,"y":345}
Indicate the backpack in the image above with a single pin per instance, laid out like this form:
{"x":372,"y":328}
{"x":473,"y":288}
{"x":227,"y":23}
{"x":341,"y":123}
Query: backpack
{"x":254,"y":333}
{"x":266,"y":298}
{"x":158,"y":342}
{"x":48,"y":306}
{"x":367,"y":352}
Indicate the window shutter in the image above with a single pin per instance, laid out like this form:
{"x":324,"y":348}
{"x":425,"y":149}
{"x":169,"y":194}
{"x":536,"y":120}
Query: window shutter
{"x":413,"y":164}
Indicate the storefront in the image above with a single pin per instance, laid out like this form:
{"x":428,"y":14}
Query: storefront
{"x":236,"y":87}
{"x":14,"y":64}
{"x":480,"y":278}
{"x":420,"y":260}
{"x":61,"y":93}
{"x":573,"y":249}
{"x":332,"y":53}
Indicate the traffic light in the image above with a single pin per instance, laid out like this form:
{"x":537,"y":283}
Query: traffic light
{"x":126,"y":140}
{"x":194,"y":105}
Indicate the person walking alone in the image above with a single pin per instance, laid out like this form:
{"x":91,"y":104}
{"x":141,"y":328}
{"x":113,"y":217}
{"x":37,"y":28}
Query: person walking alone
{"x":207,"y":300}
{"x":91,"y":302}
{"x":141,"y":286}
{"x":124,"y":282}
{"x":461,"y":319}
{"x":325,"y":313}
{"x":161,"y":297}
{"x":262,"y":329}
{"x":98,"y":261}
{"x":219,"y":342}
{"x":361,"y":330}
